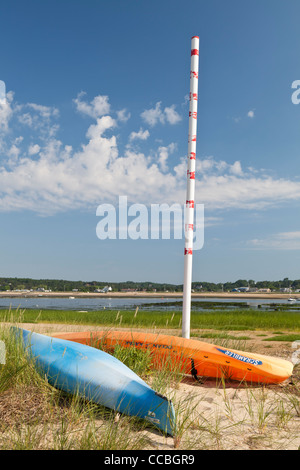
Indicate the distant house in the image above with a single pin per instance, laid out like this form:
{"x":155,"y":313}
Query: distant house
{"x":286,"y":290}
{"x":104,"y":290}
{"x":265,"y":291}
{"x":240,"y":289}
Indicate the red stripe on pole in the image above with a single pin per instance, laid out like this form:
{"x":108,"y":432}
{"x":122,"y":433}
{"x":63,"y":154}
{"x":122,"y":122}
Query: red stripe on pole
{"x":188,"y":251}
{"x":190,"y":204}
{"x":194,"y":52}
{"x":192,"y":156}
{"x":193,"y":114}
{"x":191,"y":174}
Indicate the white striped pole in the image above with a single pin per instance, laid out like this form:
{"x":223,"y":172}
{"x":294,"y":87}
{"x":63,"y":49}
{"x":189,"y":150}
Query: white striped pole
{"x":190,"y":197}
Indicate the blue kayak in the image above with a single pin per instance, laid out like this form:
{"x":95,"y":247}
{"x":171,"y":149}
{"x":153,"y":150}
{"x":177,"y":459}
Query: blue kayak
{"x":97,"y":376}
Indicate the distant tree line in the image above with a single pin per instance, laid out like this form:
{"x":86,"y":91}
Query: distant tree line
{"x":229,"y":286}
{"x":61,"y":285}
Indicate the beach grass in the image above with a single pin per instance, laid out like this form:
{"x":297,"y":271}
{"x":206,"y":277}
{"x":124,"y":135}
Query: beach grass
{"x":285,"y":337}
{"x":35,"y":415}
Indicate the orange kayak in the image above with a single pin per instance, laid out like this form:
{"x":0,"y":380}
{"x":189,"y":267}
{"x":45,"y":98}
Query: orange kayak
{"x":191,"y":356}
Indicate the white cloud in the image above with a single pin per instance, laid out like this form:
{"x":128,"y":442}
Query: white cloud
{"x":38,"y":118}
{"x":95,"y":131}
{"x":34,"y":149}
{"x":236,"y":168}
{"x":45,"y":111}
{"x":61,"y":178}
{"x":172,"y":116}
{"x":13,"y":151}
{"x":163,"y":155}
{"x":140,"y":135}
{"x":26,"y":119}
{"x":98,"y":107}
{"x":155,"y":115}
{"x":123,"y":115}
{"x":246,"y":191}
{"x":209,"y":164}
{"x":278,"y":241}
{"x":250,"y":114}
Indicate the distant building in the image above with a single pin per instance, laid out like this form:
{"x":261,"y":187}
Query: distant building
{"x":286,"y":290}
{"x":240,"y":289}
{"x":104,"y":290}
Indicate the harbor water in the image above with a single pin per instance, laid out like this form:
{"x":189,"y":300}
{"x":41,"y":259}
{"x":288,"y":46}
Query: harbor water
{"x":145,"y":303}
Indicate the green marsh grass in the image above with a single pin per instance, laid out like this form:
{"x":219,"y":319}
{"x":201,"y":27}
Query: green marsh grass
{"x":235,"y":320}
{"x":284,"y":337}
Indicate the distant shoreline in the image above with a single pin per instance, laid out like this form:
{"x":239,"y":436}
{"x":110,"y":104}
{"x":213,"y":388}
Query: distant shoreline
{"x":221,"y":295}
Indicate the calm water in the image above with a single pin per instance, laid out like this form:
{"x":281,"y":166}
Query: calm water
{"x":88,"y":304}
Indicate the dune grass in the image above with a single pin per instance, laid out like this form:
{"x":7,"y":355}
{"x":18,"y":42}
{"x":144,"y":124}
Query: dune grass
{"x":285,"y":337}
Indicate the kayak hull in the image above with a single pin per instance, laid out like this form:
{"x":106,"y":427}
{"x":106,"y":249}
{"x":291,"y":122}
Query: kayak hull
{"x":97,"y":376}
{"x":191,"y":356}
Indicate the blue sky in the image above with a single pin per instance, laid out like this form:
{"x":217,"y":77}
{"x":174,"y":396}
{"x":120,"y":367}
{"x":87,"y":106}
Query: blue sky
{"x":96,"y":108}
